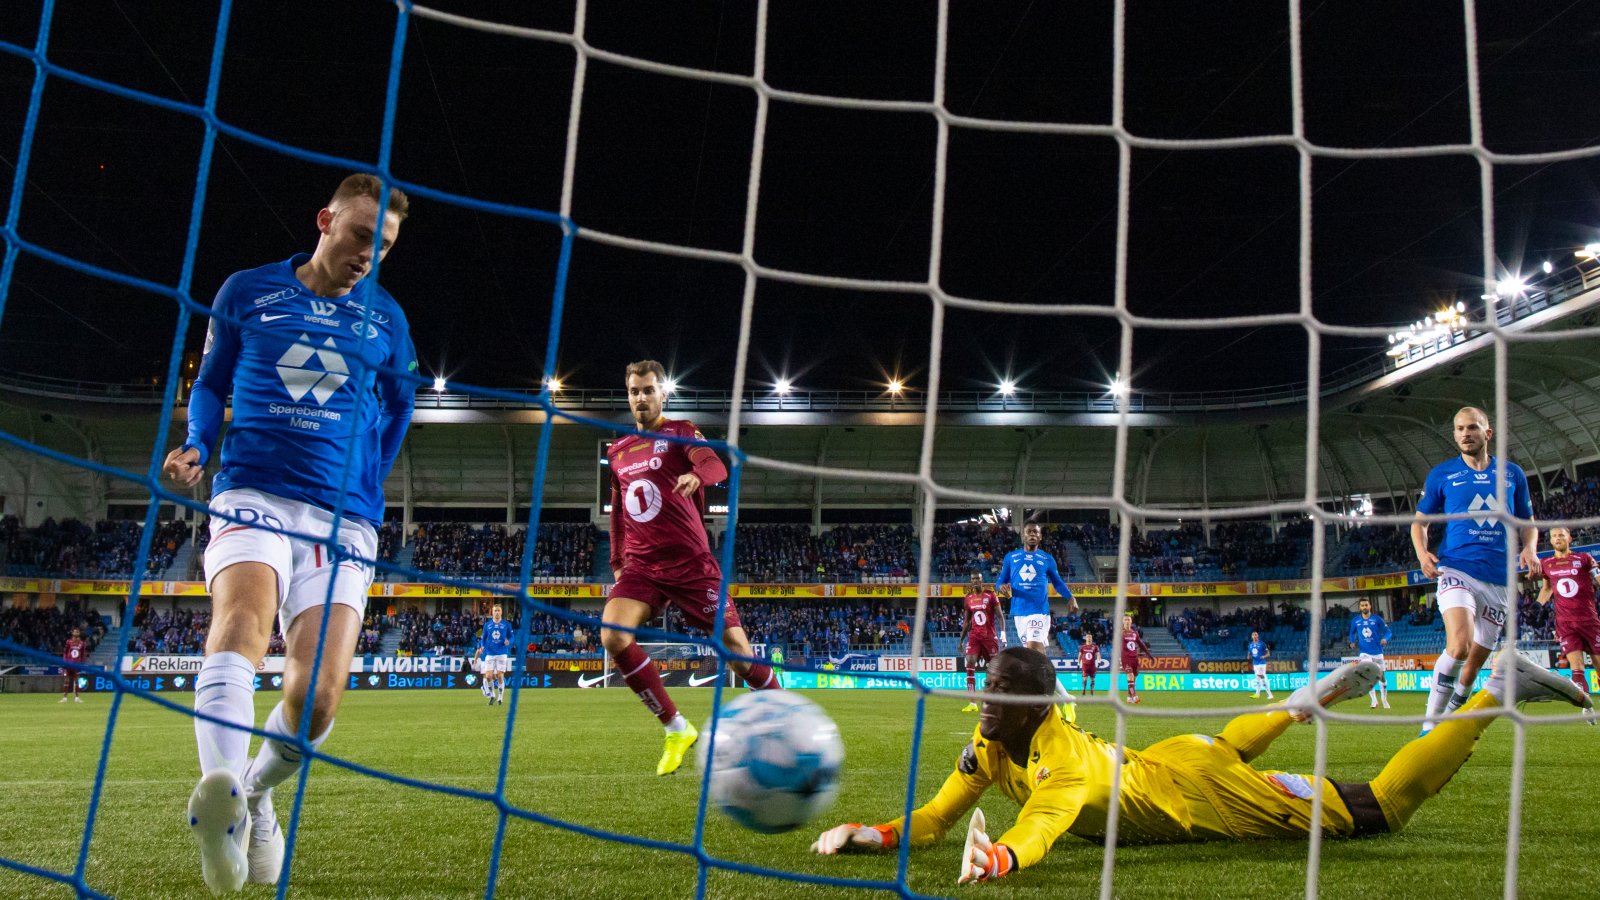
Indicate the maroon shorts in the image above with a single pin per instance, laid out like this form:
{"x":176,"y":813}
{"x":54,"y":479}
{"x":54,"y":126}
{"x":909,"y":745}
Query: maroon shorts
{"x":1130,"y":665}
{"x":1585,"y":637}
{"x":982,"y":648}
{"x":695,"y":596}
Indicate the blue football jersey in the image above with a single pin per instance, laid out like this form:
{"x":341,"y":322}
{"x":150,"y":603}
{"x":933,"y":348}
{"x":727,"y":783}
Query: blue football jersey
{"x":1476,"y":547}
{"x":305,"y":394}
{"x":1258,"y":651}
{"x":1029,"y":574}
{"x":1368,"y":633}
{"x":497,"y":637}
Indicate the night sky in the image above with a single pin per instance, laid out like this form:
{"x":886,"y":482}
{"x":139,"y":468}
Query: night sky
{"x":1029,"y":218}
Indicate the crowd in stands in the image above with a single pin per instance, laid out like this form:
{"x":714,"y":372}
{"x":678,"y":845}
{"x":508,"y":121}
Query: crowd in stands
{"x":1211,"y":626}
{"x":176,"y":632}
{"x":849,"y":553}
{"x":49,"y":627}
{"x":1376,"y":548}
{"x":1577,"y":500}
{"x":831,"y":629}
{"x":561,"y":550}
{"x":71,"y":548}
{"x":391,"y":536}
{"x":964,"y":548}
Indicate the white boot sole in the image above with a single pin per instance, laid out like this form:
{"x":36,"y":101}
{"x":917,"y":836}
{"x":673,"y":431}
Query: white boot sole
{"x":221,"y":823}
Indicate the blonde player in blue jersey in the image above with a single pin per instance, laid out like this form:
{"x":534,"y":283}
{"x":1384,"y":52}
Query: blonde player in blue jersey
{"x":1471,"y":563}
{"x":295,"y":344}
{"x":1024,"y":579}
{"x":1193,"y":787}
{"x":1369,"y":634}
{"x":494,"y":648}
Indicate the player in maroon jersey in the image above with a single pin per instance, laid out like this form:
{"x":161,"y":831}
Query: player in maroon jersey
{"x":660,"y":555}
{"x":979,"y":638}
{"x":1088,"y":661}
{"x":1133,"y":646}
{"x":75,"y":651}
{"x":1570,"y":578}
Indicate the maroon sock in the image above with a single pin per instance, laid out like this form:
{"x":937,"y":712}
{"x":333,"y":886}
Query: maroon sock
{"x":760,"y":677}
{"x":639,"y":671}
{"x":1579,"y":679}
{"x":972,"y":681}
{"x":1131,"y":691}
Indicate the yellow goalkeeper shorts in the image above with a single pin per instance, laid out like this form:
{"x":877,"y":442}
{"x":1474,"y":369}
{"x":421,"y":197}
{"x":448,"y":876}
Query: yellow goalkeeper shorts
{"x":1230,"y":800}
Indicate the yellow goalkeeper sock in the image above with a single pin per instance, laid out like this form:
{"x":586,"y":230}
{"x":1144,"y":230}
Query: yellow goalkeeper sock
{"x":1423,"y":767}
{"x":1251,"y":734}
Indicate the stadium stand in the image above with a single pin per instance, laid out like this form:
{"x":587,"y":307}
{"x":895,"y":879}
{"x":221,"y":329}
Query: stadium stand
{"x":843,"y":553}
{"x":48,"y":628}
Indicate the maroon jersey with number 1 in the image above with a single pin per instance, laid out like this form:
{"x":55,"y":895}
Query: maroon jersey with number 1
{"x":76,"y":650}
{"x":1088,"y":656}
{"x":1571,"y":580}
{"x":1132,"y":645}
{"x":654,"y":529}
{"x":983,"y":611}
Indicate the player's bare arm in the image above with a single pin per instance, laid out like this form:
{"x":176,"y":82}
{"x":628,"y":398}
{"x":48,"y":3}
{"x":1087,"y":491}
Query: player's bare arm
{"x":1419,"y":544}
{"x":1544,"y":594}
{"x":1530,"y":548}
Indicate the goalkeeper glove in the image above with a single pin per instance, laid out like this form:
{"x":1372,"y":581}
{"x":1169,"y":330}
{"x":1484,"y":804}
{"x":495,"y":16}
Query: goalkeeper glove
{"x":854,"y":837}
{"x":984,"y":858}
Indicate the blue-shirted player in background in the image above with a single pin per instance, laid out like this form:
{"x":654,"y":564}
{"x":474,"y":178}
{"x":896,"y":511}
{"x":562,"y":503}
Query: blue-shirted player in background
{"x":1368,"y":635}
{"x":294,"y":343}
{"x":1025,"y":576}
{"x":1471,"y":563}
{"x":494,"y":646}
{"x":1259,"y":652}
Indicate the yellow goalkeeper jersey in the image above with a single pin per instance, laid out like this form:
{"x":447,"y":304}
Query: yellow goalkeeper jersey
{"x":1064,"y":785}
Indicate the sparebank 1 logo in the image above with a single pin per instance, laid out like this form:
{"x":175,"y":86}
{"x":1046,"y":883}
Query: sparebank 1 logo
{"x":1480,"y":503}
{"x":321,"y":382}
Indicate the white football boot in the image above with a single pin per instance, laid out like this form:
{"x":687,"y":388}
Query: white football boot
{"x":1535,"y":684}
{"x":220,"y":821}
{"x":1349,"y":680}
{"x":266,"y":842}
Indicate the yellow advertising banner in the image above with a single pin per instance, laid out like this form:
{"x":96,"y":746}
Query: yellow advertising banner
{"x":1086,"y":591}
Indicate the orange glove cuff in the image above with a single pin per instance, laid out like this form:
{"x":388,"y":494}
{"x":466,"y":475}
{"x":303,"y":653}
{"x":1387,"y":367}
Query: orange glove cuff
{"x":890,"y":839}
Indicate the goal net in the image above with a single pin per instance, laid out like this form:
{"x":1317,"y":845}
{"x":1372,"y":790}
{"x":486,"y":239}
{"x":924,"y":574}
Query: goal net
{"x":691,"y":659}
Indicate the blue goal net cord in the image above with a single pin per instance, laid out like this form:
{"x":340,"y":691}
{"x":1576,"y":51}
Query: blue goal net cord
{"x":932,"y":492}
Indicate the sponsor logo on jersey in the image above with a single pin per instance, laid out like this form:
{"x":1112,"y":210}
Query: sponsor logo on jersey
{"x":660,"y":447}
{"x":1041,"y":775}
{"x":267,"y":318}
{"x":274,"y":297}
{"x":1027,"y":573}
{"x":1480,"y":503}
{"x":299,"y":379}
{"x":361,"y":309}
{"x":642,"y":501}
{"x":321,"y":308}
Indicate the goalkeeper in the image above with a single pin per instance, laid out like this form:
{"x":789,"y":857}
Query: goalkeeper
{"x":1188,"y":788}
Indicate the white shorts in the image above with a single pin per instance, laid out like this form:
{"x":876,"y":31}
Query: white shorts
{"x":1374,"y":657}
{"x":498,"y":663}
{"x":1033,"y":629}
{"x":1486,"y":602}
{"x":304,"y":567}
{"x":1261,"y":669}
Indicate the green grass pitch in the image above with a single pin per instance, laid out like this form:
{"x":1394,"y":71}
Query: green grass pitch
{"x":589,"y":756}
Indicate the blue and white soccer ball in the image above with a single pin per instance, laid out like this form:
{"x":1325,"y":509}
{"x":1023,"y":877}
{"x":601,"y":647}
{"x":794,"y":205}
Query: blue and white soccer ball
{"x":777,"y":761}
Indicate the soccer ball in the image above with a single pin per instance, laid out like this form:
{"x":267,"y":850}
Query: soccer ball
{"x":776,"y":763}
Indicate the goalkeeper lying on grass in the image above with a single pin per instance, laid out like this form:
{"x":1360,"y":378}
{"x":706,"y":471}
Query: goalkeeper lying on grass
{"x":1189,"y":788}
